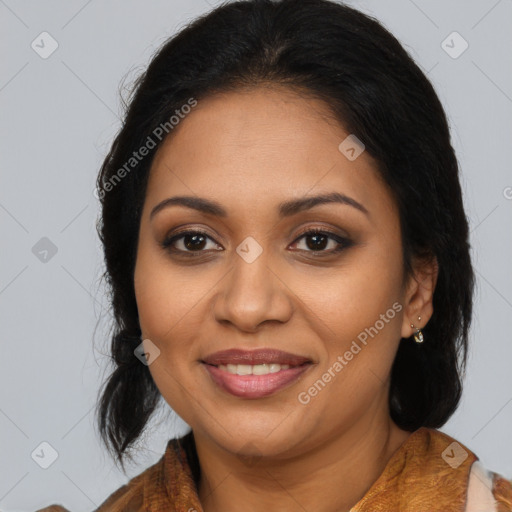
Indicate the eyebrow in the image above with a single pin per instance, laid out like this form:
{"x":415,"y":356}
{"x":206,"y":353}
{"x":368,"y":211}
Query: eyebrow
{"x":285,"y":209}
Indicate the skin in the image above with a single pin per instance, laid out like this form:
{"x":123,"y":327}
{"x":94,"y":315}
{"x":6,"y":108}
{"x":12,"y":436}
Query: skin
{"x":249,"y":151}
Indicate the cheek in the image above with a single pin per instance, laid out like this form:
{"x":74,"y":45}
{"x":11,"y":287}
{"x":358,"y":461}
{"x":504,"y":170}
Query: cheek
{"x":156,"y":306}
{"x":357,"y":313}
{"x":348,"y":299}
{"x":358,"y":319}
{"x":165,"y":302}
{"x":167,"y":297}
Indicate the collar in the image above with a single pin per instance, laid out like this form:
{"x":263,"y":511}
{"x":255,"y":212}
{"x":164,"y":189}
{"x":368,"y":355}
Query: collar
{"x":429,"y":471}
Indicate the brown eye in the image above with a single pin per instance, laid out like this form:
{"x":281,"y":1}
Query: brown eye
{"x":318,"y":241}
{"x":194,"y":242}
{"x":189,"y":241}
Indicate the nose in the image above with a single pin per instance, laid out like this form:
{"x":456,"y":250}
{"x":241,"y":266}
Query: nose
{"x":252,"y":293}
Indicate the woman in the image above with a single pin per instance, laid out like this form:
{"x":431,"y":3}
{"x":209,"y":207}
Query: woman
{"x":288,"y":254}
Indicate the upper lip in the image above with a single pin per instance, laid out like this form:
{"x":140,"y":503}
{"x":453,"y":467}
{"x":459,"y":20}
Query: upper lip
{"x":259,"y":356}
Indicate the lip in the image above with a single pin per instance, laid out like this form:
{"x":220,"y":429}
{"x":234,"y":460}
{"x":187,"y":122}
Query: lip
{"x":258,"y":356}
{"x":255,"y":386}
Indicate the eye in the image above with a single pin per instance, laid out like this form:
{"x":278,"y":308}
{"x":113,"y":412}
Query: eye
{"x":196,"y":241}
{"x":319,"y":240}
{"x":189,"y":241}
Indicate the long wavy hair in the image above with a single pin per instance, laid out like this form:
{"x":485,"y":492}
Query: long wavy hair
{"x":375,"y":90}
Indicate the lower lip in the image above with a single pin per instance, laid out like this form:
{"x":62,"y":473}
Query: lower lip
{"x":255,"y":386}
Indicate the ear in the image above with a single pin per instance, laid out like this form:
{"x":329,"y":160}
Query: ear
{"x":419,"y":295}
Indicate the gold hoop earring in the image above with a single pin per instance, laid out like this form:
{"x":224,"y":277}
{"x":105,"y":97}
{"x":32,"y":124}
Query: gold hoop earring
{"x":418,"y":335}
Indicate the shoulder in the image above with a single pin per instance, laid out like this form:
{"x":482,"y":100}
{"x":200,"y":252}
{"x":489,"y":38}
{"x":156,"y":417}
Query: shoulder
{"x":488,"y":490}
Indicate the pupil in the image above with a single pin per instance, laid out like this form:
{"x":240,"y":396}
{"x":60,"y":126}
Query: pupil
{"x":197,"y":241}
{"x":315,"y":246}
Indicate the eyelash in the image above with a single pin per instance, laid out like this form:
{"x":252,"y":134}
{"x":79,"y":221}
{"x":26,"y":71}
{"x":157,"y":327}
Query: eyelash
{"x":344,"y":243}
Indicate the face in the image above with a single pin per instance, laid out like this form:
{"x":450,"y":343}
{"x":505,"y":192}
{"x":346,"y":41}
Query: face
{"x":253,"y":278}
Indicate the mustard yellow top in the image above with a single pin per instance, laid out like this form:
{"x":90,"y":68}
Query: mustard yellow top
{"x":429,"y":472}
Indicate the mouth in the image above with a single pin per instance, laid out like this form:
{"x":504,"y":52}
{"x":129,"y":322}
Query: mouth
{"x":253,"y":381}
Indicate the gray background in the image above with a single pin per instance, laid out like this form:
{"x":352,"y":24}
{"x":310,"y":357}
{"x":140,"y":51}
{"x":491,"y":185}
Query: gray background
{"x":59,"y":116}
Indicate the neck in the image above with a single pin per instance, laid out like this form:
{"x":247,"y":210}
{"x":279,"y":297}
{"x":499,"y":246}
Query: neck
{"x":335,"y":475}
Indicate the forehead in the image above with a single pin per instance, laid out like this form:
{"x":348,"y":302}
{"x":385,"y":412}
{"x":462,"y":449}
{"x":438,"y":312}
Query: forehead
{"x":254,"y":148}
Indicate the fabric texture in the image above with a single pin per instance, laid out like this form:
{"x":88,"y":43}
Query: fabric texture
{"x":480,"y":496}
{"x":429,"y":472}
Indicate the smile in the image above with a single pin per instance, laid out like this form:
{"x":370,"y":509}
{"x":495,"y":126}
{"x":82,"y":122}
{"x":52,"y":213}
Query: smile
{"x":254,"y":381}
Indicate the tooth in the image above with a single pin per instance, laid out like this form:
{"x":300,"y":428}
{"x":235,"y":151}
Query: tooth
{"x":256,"y":369}
{"x":244,"y":369}
{"x":260,"y":369}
